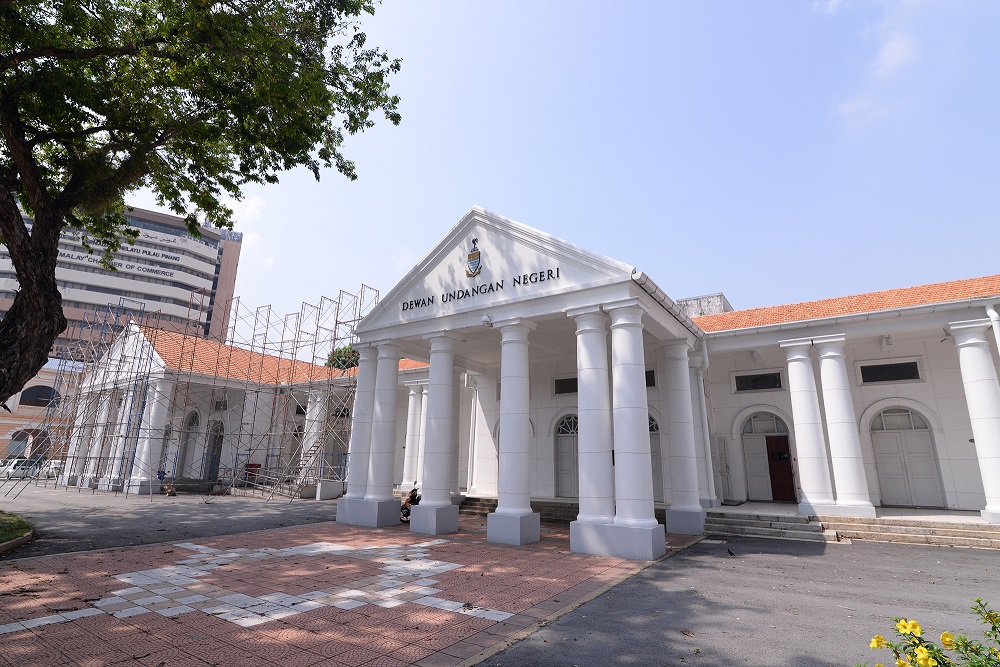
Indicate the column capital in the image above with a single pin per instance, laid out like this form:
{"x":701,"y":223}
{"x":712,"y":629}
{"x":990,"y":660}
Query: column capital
{"x":585,"y":310}
{"x":626,"y":316}
{"x":388,"y":350}
{"x":589,"y":319}
{"x":830,"y":346}
{"x":367,"y":353}
{"x":439,"y":335}
{"x":512,"y":322}
{"x":677,"y":349}
{"x":970,"y":332}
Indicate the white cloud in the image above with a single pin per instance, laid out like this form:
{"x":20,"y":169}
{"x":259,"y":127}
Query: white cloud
{"x":251,"y":238}
{"x":266,"y":263}
{"x":827,"y":6}
{"x":858,"y":105}
{"x":247,"y":210}
{"x":897,"y":50}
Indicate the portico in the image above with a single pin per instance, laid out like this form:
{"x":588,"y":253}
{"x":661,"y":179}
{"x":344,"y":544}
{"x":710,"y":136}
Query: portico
{"x":522,"y":329}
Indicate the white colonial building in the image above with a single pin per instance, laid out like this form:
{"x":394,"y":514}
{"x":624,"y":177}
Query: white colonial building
{"x":555,"y":372}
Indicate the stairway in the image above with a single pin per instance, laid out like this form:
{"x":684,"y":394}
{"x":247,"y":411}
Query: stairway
{"x":915,"y":531}
{"x":780,"y":526}
{"x":556,"y":511}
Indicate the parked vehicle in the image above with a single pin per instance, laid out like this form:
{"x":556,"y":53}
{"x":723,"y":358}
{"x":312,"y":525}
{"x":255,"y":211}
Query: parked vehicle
{"x":21,"y":468}
{"x":8,"y":464}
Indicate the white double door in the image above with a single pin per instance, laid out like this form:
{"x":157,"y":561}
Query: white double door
{"x":908,"y":474}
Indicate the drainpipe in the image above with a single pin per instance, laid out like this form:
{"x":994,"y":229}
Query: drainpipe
{"x":995,"y":319}
{"x":706,"y":436}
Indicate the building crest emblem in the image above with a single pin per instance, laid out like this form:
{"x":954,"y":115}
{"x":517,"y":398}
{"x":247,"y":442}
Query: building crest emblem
{"x":475,"y":264}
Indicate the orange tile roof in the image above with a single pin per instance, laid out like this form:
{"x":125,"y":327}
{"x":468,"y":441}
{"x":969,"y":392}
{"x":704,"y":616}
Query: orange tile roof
{"x":203,"y":356}
{"x":955,"y":290}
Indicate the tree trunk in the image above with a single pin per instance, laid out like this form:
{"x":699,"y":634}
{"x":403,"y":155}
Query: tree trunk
{"x":35,"y":319}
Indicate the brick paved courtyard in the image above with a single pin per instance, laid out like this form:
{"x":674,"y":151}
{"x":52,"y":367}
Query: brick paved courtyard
{"x":323,"y":594}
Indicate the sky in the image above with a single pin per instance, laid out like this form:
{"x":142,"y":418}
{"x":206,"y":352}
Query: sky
{"x":773,"y":151}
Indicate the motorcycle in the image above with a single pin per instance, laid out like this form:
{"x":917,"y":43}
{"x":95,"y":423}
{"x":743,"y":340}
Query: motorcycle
{"x":412,"y":498}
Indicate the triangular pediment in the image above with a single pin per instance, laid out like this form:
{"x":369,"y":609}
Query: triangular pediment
{"x":486,"y":260}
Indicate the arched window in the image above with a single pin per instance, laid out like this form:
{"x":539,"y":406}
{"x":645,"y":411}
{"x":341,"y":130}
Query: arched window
{"x":898,"y":419}
{"x":764,"y":424}
{"x":38,"y":396}
{"x":569,"y":425}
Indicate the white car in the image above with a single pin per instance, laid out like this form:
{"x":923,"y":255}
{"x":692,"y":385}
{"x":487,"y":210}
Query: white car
{"x":20,"y":467}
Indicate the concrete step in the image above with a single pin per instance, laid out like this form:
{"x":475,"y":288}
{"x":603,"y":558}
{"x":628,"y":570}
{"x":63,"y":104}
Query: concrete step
{"x":880,"y":535}
{"x":950,"y":531}
{"x":750,"y":531}
{"x":716,"y":522}
{"x":900,"y":521}
{"x":785,"y":518}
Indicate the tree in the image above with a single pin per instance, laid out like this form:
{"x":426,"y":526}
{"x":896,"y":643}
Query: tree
{"x":193,"y":99}
{"x":343,"y":357}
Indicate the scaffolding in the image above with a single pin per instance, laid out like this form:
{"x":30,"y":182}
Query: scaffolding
{"x":148,"y":404}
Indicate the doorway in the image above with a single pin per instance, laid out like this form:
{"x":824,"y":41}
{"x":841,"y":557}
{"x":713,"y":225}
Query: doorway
{"x":905,"y":461}
{"x":768,"y":458}
{"x":567,"y":471}
{"x":213,"y":455}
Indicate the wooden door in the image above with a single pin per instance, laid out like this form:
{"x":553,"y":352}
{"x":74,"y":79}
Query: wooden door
{"x":779,"y":466}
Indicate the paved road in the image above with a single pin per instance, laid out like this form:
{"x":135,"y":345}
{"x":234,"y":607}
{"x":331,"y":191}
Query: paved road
{"x":67,"y":521}
{"x":775,"y":603}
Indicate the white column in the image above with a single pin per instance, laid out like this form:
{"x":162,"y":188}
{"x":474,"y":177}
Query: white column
{"x":142,"y":479}
{"x":412,"y":437}
{"x":982,"y":395}
{"x":513,"y":522}
{"x":686,"y":515}
{"x":95,"y":444}
{"x":313,"y":432}
{"x":76,"y":456}
{"x":849,"y":478}
{"x":633,"y":467}
{"x":597,"y":483}
{"x":814,"y":467}
{"x":359,"y":448}
{"x":381,"y":462}
{"x":422,"y":438}
{"x":128,"y":416}
{"x":436,"y":514}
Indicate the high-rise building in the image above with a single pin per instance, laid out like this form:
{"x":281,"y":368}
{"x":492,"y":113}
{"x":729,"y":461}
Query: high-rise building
{"x":189,"y":280}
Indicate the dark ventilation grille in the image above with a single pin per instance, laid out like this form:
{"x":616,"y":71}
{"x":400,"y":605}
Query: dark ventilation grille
{"x":565,"y":386}
{"x":758,"y":382}
{"x":907,"y":370}
{"x":650,"y":378}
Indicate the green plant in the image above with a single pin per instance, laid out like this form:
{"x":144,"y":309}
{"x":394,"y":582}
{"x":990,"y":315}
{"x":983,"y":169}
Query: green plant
{"x":913,"y":650}
{"x":12,"y":527}
{"x":343,"y":357}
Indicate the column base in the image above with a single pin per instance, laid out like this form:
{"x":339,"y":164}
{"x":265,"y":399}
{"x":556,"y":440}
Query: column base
{"x":345,"y":506}
{"x":710,"y":503}
{"x":143,"y":486}
{"x":608,"y":539}
{"x":686,"y":521}
{"x":817,"y":508}
{"x":516,"y":529}
{"x":327,"y":490}
{"x":434,"y":520}
{"x":866,"y":510}
{"x":991,"y":514}
{"x":68,"y":480}
{"x":108,"y":485}
{"x":368,"y":513}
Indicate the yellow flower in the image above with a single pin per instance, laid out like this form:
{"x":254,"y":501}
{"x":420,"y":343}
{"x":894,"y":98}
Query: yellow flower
{"x":902,"y":663}
{"x":948,"y":640}
{"x":913,"y":628}
{"x":901,"y":626}
{"x":878,"y":641}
